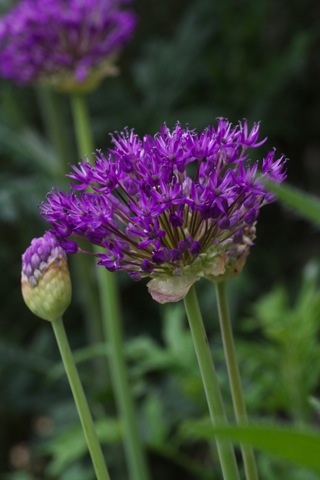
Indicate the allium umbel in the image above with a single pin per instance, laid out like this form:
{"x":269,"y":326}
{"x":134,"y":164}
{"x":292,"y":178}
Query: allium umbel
{"x":174,"y":207}
{"x":66,"y":43}
{"x":45,"y":279}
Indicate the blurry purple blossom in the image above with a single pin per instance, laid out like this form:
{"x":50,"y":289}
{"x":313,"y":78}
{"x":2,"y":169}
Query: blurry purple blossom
{"x":174,"y":207}
{"x":63,"y":41}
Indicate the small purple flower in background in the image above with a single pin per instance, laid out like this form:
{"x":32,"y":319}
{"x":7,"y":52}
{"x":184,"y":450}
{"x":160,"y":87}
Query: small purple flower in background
{"x":174,"y":207}
{"x":65,"y":43}
{"x":45,"y":279}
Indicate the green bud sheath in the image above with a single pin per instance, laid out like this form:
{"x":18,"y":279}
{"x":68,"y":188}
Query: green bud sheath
{"x":45,"y":278}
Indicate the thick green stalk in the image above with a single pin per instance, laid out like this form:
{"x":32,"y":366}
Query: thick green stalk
{"x":210,"y":382}
{"x":82,"y":125}
{"x":111,"y":319}
{"x":234,"y":376}
{"x":80,"y":401}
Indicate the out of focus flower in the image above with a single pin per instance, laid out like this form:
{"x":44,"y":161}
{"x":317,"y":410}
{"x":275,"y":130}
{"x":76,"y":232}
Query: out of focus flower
{"x":45,"y":279}
{"x":67,"y":43}
{"x":174,"y":207}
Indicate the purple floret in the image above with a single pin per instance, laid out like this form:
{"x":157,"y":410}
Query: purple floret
{"x":168,"y":204}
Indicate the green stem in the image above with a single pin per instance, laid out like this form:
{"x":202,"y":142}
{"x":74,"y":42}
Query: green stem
{"x":80,"y":401}
{"x":82,"y":125}
{"x":53,"y":119}
{"x":89,"y":299}
{"x":119,"y":376}
{"x":234,"y":376}
{"x":210,"y":382}
{"x":111,"y":318}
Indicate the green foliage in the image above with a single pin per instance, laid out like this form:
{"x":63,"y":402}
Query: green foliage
{"x":176,"y":358}
{"x":30,"y":149}
{"x":275,"y":367}
{"x":315,"y":404}
{"x":19,"y":476}
{"x":281,"y":370}
{"x":69,"y":447}
{"x":307,"y":206}
{"x":300,"y":447}
{"x":287,"y":350}
{"x":177,"y":352}
{"x":80,"y":355}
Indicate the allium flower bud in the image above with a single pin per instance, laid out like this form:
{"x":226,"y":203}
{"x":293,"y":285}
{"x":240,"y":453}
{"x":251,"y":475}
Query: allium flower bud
{"x":45,"y":279}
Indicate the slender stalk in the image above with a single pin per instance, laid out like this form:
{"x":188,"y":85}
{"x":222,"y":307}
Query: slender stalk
{"x":234,"y":376}
{"x":82,"y":125}
{"x":119,"y":377}
{"x":54,"y":125}
{"x":89,"y":298}
{"x":210,"y":382}
{"x":111,"y":319}
{"x":80,"y":401}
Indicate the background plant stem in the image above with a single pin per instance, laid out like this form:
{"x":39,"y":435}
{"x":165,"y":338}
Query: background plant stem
{"x":234,"y":376}
{"x":80,"y":401}
{"x":210,"y":382}
{"x":111,"y":320}
{"x":50,"y":106}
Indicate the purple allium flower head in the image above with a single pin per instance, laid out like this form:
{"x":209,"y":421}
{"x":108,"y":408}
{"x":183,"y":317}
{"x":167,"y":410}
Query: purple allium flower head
{"x":45,"y":279}
{"x":66,"y":43}
{"x":174,"y":207}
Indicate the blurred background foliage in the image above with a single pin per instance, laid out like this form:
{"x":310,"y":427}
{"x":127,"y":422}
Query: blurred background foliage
{"x":192,"y":62}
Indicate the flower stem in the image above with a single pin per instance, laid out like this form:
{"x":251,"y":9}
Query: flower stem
{"x":234,"y":376}
{"x":53,"y":119}
{"x":119,"y":377}
{"x":81,"y":401}
{"x":82,"y":125}
{"x":111,"y":319}
{"x":210,"y":382}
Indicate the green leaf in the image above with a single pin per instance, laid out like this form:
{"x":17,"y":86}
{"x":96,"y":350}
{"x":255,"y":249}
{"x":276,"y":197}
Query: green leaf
{"x":80,"y":356}
{"x":176,"y":335}
{"x":27,"y":146}
{"x":147,"y":356}
{"x":153,"y":413}
{"x":305,"y":205}
{"x":299,"y":446}
{"x":70,"y":446}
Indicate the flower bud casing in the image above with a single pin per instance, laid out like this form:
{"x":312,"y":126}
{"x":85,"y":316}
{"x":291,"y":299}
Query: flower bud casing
{"x":45,"y":278}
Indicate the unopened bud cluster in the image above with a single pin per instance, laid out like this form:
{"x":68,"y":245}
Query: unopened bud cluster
{"x":45,"y":279}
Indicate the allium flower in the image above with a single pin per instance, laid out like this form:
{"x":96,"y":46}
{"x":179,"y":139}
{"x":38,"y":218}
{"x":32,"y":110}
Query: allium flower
{"x":63,"y":42}
{"x":45,"y":279}
{"x":174,"y":207}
